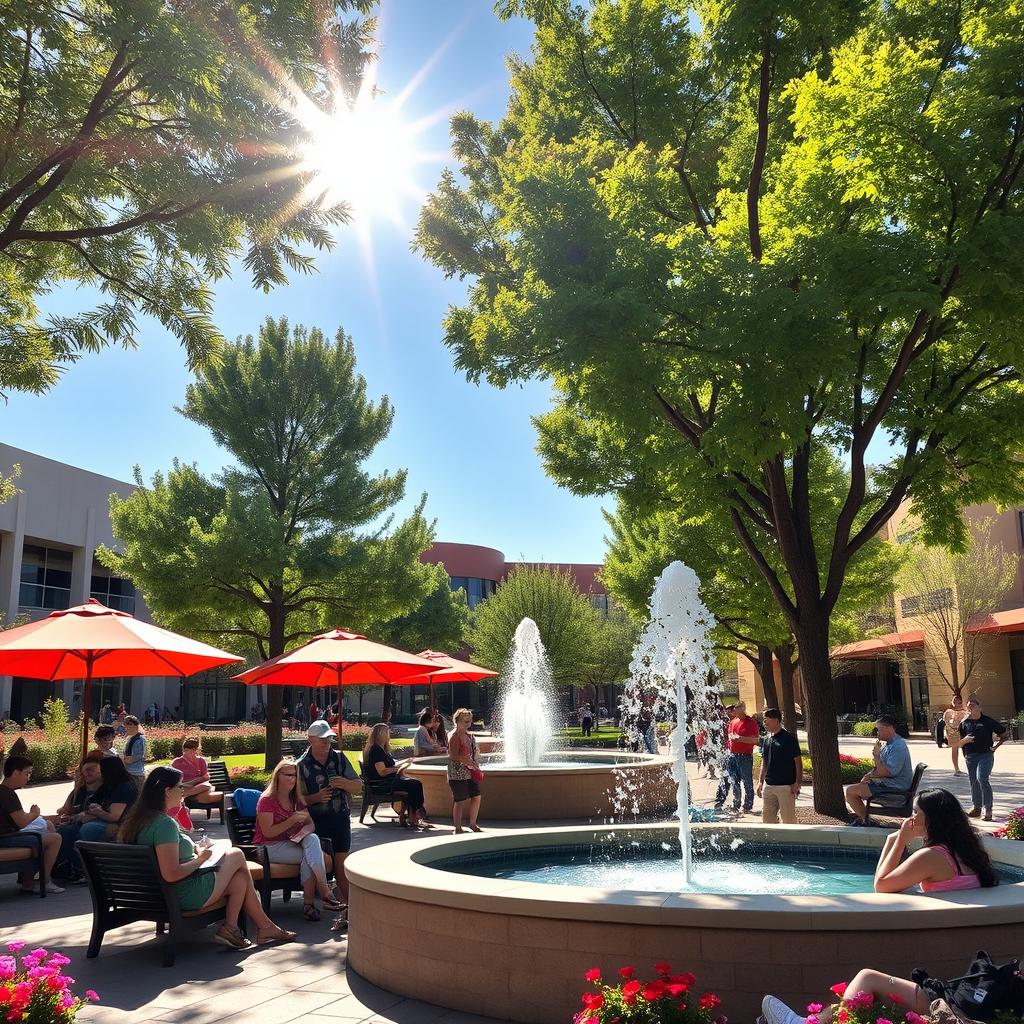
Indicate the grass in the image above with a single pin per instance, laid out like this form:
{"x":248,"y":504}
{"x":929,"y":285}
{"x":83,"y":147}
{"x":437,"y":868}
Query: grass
{"x":573,"y":736}
{"x":257,"y":760}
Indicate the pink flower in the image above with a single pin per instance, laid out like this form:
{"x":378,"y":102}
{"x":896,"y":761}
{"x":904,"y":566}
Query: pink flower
{"x":813,"y":1019}
{"x":882,"y":1020}
{"x":59,"y":960}
{"x":91,"y":996}
{"x":8,"y":967}
{"x":15,"y":946}
{"x":814,"y":1007}
{"x":39,"y":952}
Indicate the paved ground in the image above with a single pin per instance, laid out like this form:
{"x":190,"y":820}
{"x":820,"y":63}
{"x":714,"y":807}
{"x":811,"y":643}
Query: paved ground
{"x":308,"y":980}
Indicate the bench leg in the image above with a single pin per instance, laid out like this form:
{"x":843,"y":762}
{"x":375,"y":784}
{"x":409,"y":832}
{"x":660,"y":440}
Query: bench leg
{"x":170,"y":950}
{"x":95,"y":939}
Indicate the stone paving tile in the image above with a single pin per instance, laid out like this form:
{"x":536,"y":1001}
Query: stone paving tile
{"x":281,"y":1010}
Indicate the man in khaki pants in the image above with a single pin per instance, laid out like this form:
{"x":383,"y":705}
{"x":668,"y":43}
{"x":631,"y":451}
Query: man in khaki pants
{"x":782,"y":771}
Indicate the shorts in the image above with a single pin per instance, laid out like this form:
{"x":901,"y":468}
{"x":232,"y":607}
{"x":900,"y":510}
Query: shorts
{"x":337,"y":828}
{"x":884,"y":786}
{"x":464,"y":789}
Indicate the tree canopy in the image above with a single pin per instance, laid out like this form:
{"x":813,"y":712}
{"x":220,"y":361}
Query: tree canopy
{"x":735,"y":238}
{"x":297,"y":536}
{"x":143,"y":144}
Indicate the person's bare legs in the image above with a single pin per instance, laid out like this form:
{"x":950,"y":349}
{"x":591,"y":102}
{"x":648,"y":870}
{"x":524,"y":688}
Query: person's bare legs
{"x":881,"y":986}
{"x":234,"y":883}
{"x":51,"y":849}
{"x":956,"y":760}
{"x":474,"y":810}
{"x":457,"y":810}
{"x":339,"y":876}
{"x":855,"y":797}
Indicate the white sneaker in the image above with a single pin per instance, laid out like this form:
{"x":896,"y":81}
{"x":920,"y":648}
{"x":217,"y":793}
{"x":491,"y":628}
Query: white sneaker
{"x":777,"y":1012}
{"x":56,"y":890}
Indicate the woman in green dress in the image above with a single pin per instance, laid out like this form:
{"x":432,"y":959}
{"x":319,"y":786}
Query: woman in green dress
{"x":150,"y":822}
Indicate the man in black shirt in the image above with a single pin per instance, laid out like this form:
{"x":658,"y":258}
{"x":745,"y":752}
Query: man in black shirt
{"x":980,"y":737}
{"x":782,"y":771}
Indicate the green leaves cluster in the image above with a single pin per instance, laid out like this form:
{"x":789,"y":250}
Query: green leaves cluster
{"x":141,"y":145}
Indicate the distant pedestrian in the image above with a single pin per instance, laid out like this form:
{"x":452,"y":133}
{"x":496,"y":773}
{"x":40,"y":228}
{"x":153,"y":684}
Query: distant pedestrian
{"x":726,"y":782}
{"x":782,"y":771}
{"x":135,"y":749}
{"x":586,"y":719}
{"x":743,"y":736}
{"x":951,"y":719}
{"x":980,"y":738}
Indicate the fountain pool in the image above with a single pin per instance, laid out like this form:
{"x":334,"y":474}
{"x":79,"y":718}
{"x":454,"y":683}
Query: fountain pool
{"x":513,"y":948}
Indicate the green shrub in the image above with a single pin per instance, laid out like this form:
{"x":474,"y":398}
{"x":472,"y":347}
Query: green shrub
{"x":163,"y":748}
{"x":863,"y":728}
{"x":250,"y":778}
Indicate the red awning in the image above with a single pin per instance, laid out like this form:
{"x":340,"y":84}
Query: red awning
{"x":881,"y":646}
{"x":1010,"y":621}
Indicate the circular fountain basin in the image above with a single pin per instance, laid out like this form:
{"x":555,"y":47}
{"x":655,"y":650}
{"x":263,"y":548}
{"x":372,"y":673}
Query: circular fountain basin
{"x":473,"y":935}
{"x":570,"y":784}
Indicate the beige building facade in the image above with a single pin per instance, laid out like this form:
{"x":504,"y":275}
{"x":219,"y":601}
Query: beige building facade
{"x":907,"y":667}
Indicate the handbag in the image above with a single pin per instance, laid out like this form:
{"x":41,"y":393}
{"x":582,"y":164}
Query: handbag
{"x":476,"y":774}
{"x":988,"y":988}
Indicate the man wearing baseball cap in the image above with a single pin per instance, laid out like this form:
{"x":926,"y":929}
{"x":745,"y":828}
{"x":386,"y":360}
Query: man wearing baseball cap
{"x":325,"y":780}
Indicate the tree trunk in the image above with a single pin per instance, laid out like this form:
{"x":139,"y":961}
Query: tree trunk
{"x":820,"y":716}
{"x":786,"y":669}
{"x":275,"y":646}
{"x":766,"y":670}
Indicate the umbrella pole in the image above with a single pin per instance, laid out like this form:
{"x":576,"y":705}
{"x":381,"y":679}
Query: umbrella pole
{"x":433,"y":699}
{"x":86,"y":695}
{"x":341,"y":709}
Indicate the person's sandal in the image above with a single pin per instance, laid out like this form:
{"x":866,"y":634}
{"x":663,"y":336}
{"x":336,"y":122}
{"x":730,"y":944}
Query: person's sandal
{"x":269,"y":936}
{"x":310,"y":912}
{"x":231,"y":937}
{"x":333,"y":904}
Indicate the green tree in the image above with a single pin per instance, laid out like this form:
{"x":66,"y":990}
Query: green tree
{"x":553,"y":600}
{"x":733,"y":240}
{"x":142,"y":144}
{"x":296,"y":536}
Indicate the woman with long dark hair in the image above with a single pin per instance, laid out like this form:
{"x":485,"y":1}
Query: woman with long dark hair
{"x":149,"y":823}
{"x":951,"y":859}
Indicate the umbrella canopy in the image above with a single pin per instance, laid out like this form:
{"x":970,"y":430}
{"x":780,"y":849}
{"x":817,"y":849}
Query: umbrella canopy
{"x":91,"y":641}
{"x":449,"y":670}
{"x":338,"y":658}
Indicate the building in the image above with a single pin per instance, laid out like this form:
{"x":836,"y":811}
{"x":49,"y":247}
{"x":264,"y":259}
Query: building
{"x":904,"y":666}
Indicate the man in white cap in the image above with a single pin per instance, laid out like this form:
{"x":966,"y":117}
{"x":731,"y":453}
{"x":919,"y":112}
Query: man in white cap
{"x":325,"y":780}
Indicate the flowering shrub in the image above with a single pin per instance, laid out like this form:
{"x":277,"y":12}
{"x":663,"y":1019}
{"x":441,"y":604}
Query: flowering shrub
{"x":666,"y":999}
{"x":1014,"y":827}
{"x":35,"y":991}
{"x":863,"y":1008}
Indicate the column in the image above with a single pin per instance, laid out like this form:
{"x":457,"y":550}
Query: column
{"x":81,"y":584}
{"x":11,"y":547}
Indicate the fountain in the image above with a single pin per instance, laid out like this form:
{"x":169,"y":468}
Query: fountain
{"x":783,"y":908}
{"x":530,"y":781}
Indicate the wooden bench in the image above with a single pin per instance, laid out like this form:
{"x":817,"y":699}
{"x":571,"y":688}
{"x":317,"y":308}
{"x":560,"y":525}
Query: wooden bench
{"x":268,"y":877}
{"x":896,"y":803}
{"x":23,"y":852}
{"x":221,"y":782}
{"x":126,"y":886}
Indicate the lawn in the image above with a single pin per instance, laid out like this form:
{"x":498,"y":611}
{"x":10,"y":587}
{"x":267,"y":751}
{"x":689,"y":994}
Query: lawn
{"x":257,"y":760}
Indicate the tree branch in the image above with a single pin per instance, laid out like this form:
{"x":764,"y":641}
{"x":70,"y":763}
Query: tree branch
{"x":760,"y":150}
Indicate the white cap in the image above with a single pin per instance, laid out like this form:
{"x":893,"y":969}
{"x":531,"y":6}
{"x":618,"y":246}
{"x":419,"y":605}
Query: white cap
{"x":319,"y":730}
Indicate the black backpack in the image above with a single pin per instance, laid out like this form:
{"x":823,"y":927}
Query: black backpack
{"x":985,"y":990}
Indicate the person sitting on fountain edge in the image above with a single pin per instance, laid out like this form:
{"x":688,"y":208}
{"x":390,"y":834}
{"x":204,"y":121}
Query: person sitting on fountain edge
{"x":893,"y":770}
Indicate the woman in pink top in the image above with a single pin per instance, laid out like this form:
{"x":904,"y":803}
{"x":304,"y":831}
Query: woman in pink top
{"x":194,"y":774}
{"x":951,"y":859}
{"x":284,"y":827}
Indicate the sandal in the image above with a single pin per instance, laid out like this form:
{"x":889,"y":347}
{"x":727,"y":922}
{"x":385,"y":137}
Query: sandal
{"x":332,"y":903}
{"x":310,"y":912}
{"x":231,"y":937}
{"x":274,"y":935}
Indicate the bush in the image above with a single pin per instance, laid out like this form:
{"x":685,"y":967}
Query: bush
{"x":1014,"y":828}
{"x":863,"y":728}
{"x":249,"y":778}
{"x":353,"y":737}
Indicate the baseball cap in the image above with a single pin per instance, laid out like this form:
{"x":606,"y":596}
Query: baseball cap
{"x":319,"y":730}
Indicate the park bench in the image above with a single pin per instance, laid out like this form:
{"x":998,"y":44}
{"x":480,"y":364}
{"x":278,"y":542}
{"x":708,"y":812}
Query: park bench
{"x":20,"y":852}
{"x":294,"y":747}
{"x":896,"y":803}
{"x":126,"y":886}
{"x":221,"y":782}
{"x":270,"y":877}
{"x":377,"y":792}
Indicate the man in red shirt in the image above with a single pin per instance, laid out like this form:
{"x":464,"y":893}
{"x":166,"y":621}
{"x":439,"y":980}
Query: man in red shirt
{"x":744,"y":734}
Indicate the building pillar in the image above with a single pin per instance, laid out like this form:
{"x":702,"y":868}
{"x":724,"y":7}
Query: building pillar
{"x":11,"y":548}
{"x":81,"y":585}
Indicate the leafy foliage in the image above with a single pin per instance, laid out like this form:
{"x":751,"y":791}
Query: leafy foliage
{"x":141,"y":145}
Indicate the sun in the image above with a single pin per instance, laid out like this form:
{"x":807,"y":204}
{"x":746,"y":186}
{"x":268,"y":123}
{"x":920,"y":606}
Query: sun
{"x":364,"y":155}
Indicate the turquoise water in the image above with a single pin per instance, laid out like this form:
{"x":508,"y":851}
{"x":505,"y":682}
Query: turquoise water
{"x":753,"y":868}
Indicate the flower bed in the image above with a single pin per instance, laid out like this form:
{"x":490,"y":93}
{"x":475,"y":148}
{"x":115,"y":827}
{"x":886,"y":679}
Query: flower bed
{"x":1014,"y":827}
{"x":35,"y":990}
{"x":666,"y":999}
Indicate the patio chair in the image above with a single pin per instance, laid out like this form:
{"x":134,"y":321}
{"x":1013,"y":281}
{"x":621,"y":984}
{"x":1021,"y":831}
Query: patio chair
{"x":896,"y":803}
{"x":377,"y":792}
{"x":23,"y":852}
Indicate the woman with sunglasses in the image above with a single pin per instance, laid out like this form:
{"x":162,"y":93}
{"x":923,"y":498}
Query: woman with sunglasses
{"x":285,"y":828}
{"x":149,"y":823}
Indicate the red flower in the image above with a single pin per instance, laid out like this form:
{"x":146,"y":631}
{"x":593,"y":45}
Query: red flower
{"x":686,"y":978}
{"x":594,"y":974}
{"x":663,"y":968}
{"x":593,"y":1000}
{"x":630,"y":991}
{"x":654,"y":990}
{"x":627,"y":972}
{"x":709,"y":1001}
{"x":840,"y":989}
{"x":676,"y":989}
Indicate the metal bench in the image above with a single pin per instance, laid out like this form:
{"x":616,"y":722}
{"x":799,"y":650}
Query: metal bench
{"x":377,"y":792}
{"x":126,"y":886}
{"x":221,"y":782}
{"x":270,"y":877}
{"x":23,"y":852}
{"x":896,"y":803}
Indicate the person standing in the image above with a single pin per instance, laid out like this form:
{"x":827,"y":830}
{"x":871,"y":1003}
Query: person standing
{"x":726,"y":782}
{"x":464,"y":772}
{"x":980,"y":737}
{"x":951,"y":719}
{"x":743,"y":737}
{"x":893,"y":769}
{"x":135,"y":749}
{"x":782,"y":771}
{"x":586,"y":719}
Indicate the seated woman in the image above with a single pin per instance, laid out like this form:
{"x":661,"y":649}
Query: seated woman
{"x":149,"y":824}
{"x":105,"y":808}
{"x":379,"y":764}
{"x":70,"y":817}
{"x":424,"y":743}
{"x":440,"y":731}
{"x":285,"y":828}
{"x":951,"y":859}
{"x":194,"y":772}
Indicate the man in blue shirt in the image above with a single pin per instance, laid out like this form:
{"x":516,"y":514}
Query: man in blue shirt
{"x":892,"y":771}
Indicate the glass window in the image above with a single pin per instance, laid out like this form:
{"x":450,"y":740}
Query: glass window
{"x":45,"y":577}
{"x":114,"y":592}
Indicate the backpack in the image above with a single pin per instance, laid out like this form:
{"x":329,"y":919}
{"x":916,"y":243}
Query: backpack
{"x":988,"y":988}
{"x":245,"y":802}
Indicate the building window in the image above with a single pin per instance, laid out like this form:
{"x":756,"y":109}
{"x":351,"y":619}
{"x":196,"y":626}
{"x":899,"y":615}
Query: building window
{"x":599,"y":602}
{"x":921,"y":603}
{"x":907,"y":535}
{"x":476,"y":589}
{"x":113,"y":591}
{"x":45,"y":578}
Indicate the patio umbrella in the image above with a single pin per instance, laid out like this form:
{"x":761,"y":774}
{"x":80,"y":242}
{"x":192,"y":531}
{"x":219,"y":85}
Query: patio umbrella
{"x":91,"y":641}
{"x":449,"y":670}
{"x":337,"y":658}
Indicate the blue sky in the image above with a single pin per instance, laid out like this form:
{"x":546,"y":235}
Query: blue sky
{"x":470,"y":447}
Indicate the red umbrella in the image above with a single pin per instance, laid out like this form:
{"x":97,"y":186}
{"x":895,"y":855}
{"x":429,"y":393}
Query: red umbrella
{"x":449,"y":670}
{"x":92,"y":641}
{"x":337,"y":658}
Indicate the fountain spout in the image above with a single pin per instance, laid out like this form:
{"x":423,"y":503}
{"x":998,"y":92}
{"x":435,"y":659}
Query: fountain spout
{"x":526,"y":707}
